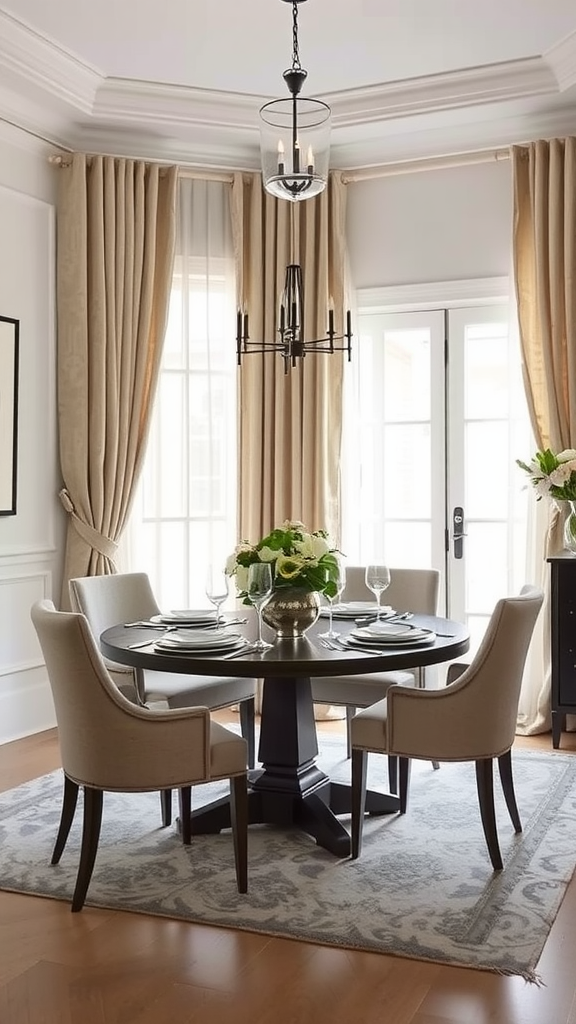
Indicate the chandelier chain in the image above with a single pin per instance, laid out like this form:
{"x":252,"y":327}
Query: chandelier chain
{"x":296,"y":66}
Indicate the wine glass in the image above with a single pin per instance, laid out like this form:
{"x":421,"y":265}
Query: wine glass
{"x":340,"y":581}
{"x":217,"y":588}
{"x":259,"y":590}
{"x":377,"y":579}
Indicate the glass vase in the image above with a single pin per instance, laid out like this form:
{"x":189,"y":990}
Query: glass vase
{"x":570,"y":528}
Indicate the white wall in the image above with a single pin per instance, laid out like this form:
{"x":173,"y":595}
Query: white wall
{"x":427,"y":226}
{"x":31,"y":541}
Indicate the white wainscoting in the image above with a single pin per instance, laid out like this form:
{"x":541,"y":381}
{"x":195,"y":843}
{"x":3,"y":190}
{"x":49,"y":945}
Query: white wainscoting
{"x":26,"y":705}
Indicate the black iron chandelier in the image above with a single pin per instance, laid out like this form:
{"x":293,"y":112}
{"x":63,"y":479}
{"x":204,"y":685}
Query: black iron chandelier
{"x":291,"y":344}
{"x":295,"y":135}
{"x":295,"y":148}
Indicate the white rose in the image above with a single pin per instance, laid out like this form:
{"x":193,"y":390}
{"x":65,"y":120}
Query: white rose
{"x":568,"y":455}
{"x":312,"y":546}
{"x":267,"y":554}
{"x":321,"y":546}
{"x":230,"y":567}
{"x":304,"y":547}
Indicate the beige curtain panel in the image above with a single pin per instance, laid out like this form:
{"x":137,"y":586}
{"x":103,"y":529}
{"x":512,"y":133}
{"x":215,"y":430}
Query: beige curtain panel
{"x":290,"y":425}
{"x":115,"y":234}
{"x":544,"y":251}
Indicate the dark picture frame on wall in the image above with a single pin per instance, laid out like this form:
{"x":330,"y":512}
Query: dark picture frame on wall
{"x":9,"y":351}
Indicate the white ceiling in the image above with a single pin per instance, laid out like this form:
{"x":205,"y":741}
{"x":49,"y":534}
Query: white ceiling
{"x":184,"y":79}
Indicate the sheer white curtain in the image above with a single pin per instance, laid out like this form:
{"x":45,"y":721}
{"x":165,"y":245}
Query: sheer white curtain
{"x":185,"y":514}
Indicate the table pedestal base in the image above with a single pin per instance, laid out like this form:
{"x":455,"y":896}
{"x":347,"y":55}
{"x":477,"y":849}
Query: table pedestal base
{"x":290,"y":790}
{"x":314,"y":812}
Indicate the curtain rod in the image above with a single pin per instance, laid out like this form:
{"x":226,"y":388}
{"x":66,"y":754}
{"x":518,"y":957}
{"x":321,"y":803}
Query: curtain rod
{"x":426,"y":164}
{"x":350,"y":177}
{"x":59,"y":160}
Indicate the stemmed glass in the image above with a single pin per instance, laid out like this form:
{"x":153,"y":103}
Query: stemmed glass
{"x":340,"y":581}
{"x":259,"y":591}
{"x":377,"y":579}
{"x":217,"y":588}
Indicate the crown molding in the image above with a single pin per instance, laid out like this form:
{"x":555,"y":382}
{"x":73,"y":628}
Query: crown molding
{"x":562,"y":60}
{"x":30,"y":58}
{"x":453,"y":294}
{"x":49,"y":92}
{"x":495,"y":83}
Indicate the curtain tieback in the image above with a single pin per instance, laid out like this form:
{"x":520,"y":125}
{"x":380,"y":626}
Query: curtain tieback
{"x":103,"y":545}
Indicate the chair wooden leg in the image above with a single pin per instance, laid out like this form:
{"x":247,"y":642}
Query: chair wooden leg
{"x":185,"y":814}
{"x":166,"y":807}
{"x":485,"y":786}
{"x":350,"y":712}
{"x":69,"y":801}
{"x":247,"y":727}
{"x":359,"y":769}
{"x":507,"y":780}
{"x":93,"y":802}
{"x":405,"y":766}
{"x":392,"y":773}
{"x":239,"y":822}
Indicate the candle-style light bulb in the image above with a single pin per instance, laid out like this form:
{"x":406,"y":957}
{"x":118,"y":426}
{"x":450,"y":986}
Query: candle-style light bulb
{"x":280,"y":157}
{"x":296,"y":158}
{"x":310,"y":160}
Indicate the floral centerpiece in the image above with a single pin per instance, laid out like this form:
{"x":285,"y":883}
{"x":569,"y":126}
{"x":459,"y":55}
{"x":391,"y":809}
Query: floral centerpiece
{"x":554,"y":476}
{"x":298,"y":558}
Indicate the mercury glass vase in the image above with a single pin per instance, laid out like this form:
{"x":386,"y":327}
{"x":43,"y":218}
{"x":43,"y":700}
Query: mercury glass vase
{"x":291,"y":611}
{"x":570,"y":528}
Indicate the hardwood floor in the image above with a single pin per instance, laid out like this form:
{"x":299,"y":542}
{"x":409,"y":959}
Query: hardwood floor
{"x":102,"y":967}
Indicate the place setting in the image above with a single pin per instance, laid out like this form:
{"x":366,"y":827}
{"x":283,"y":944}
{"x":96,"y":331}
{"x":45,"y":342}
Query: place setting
{"x":356,"y":609}
{"x":387,"y":634}
{"x":197,"y":641}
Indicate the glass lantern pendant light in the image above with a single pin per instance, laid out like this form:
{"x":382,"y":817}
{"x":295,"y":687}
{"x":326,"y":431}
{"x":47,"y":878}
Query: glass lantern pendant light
{"x":295,"y":135}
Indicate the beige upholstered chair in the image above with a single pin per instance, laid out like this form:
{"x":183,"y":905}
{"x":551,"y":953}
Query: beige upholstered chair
{"x":471,"y":719}
{"x":109,"y":743}
{"x":414,"y":590}
{"x":128,"y":597}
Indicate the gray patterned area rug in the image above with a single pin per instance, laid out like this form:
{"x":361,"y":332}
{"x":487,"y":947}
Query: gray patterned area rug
{"x":423,"y":887}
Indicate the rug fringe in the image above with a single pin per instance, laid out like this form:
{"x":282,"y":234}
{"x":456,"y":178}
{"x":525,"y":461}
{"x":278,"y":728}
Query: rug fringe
{"x":531,"y":976}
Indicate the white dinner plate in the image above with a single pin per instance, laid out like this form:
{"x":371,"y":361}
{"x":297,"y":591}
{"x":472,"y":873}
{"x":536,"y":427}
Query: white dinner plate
{"x":186,"y":640}
{"x":352,"y":609}
{"x":202,"y":617}
{"x":414,"y":638}
{"x":165,"y":649}
{"x":377,"y":630}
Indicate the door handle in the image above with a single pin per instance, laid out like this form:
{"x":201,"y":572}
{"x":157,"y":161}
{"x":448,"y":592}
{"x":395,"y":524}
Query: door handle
{"x":458,"y":533}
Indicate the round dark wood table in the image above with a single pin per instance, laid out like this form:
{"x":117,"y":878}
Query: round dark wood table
{"x":290,"y":789}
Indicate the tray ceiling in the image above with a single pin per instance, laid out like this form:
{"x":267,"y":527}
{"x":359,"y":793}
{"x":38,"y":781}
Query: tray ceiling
{"x":183,"y":80}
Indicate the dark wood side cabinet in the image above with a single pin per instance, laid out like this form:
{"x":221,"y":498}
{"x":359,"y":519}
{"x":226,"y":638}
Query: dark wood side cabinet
{"x":563,"y":640}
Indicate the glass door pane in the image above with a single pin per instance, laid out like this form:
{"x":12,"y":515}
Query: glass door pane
{"x":434,"y":421}
{"x":488,"y":416}
{"x":394,"y":491}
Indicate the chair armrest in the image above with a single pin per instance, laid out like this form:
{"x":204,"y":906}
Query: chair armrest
{"x":455,"y":670}
{"x":435,"y":725}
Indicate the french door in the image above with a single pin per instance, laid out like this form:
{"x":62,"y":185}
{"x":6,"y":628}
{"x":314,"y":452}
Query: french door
{"x":435,"y":418}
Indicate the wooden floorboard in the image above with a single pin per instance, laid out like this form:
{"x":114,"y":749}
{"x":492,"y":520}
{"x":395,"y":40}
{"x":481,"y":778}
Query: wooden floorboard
{"x":106,"y":967}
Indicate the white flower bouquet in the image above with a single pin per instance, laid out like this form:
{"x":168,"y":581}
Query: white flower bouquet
{"x":297,"y":557}
{"x":553,"y":476}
